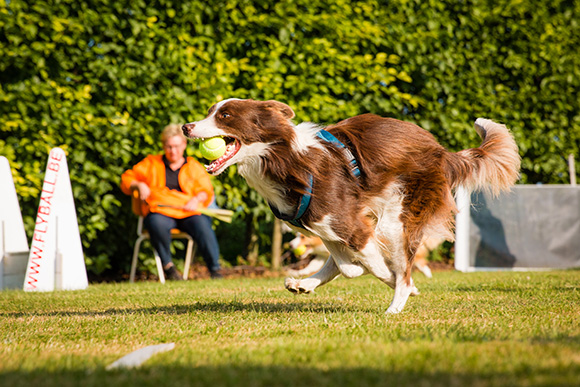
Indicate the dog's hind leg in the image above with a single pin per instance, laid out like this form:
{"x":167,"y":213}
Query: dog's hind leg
{"x":401,"y":263}
{"x":328,"y":272}
{"x":374,"y":260}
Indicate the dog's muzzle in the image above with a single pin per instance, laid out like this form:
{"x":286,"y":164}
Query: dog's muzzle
{"x":187,"y":128}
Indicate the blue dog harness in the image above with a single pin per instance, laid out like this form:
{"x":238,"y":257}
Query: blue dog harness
{"x":305,"y":199}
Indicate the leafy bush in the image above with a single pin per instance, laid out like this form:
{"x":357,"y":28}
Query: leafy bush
{"x":102,"y":78}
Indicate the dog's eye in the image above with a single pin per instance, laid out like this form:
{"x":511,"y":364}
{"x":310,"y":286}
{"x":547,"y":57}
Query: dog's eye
{"x":225,"y":115}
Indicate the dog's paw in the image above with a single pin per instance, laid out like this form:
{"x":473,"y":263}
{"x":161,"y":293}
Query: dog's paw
{"x":414,"y":291}
{"x":393,"y":310}
{"x":293,"y":285}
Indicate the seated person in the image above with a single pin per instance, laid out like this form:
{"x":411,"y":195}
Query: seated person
{"x":174,"y":187}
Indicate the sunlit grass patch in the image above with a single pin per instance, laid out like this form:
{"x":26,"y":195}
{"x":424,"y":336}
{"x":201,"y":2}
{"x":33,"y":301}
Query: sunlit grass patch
{"x":464,"y":329}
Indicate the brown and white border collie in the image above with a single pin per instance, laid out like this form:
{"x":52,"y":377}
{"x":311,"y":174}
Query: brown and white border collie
{"x":373,"y":223}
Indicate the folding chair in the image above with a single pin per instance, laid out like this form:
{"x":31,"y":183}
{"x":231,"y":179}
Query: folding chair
{"x":141,"y":209}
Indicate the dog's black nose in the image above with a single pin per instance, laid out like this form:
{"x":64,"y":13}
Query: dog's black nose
{"x":187,"y":128}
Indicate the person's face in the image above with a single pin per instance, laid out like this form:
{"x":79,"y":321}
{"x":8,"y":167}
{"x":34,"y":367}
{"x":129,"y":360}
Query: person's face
{"x":174,"y":148}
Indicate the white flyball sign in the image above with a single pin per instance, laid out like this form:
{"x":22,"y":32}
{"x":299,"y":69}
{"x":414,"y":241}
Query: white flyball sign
{"x":56,"y":260}
{"x":13,"y":241}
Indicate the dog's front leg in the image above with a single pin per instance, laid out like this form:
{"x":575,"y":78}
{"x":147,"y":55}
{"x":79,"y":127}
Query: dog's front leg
{"x":328,"y":272}
{"x":403,"y":290}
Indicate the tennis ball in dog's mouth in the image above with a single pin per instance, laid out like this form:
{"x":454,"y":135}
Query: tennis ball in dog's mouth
{"x":213,"y":148}
{"x":299,"y":250}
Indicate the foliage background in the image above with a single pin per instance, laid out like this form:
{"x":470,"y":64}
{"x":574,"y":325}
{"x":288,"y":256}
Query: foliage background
{"x":101,"y":78}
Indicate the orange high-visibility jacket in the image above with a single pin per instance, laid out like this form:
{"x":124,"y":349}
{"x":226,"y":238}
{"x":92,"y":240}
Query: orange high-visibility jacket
{"x":192,"y":177}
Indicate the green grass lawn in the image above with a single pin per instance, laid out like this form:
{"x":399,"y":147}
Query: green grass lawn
{"x":481,"y":329}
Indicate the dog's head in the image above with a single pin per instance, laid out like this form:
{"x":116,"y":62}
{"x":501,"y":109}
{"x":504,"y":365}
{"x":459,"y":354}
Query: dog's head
{"x":247,"y":126}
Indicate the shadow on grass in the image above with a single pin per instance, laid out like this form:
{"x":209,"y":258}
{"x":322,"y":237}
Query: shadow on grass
{"x":271,"y":376}
{"x":486,"y":289}
{"x":502,"y":288}
{"x":219,"y":307}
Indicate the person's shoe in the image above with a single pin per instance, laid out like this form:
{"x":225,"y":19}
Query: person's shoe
{"x":172,"y":274}
{"x":215,"y":275}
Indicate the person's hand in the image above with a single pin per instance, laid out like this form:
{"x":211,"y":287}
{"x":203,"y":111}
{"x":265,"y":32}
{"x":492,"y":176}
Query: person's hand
{"x":192,"y":204}
{"x":144,"y":191}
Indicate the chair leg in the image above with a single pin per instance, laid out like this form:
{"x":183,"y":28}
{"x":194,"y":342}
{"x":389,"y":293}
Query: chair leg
{"x":160,"y":272}
{"x":191,"y":248}
{"x":135,"y":256}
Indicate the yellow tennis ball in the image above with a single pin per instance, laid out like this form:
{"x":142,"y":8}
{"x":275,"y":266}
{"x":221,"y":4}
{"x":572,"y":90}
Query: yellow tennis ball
{"x":299,"y":250}
{"x":213,"y":148}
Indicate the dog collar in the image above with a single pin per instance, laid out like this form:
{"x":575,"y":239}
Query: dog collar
{"x":302,"y":207}
{"x":304,"y":203}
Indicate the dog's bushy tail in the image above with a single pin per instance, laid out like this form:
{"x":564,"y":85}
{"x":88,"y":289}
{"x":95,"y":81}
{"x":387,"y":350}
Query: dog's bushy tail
{"x":493,"y":167}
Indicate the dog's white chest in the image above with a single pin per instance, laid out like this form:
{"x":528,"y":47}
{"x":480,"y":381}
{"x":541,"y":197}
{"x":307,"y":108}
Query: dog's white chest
{"x":272,"y":192}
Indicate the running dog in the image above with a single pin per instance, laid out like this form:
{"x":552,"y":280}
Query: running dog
{"x":370,"y":187}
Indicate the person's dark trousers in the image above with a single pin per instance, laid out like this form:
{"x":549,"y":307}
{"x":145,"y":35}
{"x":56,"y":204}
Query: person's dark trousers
{"x":198,"y":226}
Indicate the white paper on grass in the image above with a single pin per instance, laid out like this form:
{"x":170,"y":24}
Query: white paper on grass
{"x":138,"y":357}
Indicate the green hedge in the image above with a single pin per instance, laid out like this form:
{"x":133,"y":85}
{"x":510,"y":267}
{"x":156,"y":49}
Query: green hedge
{"x":102,"y":78}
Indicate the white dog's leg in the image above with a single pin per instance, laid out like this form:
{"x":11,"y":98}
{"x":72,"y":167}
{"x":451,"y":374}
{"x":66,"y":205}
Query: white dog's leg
{"x":328,"y":272}
{"x":346,"y":260}
{"x":315,"y":265}
{"x":402,"y":293}
{"x":374,"y":260}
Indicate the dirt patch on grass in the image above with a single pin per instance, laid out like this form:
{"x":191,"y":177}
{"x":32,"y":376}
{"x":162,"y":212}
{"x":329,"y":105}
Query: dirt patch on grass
{"x":441,"y":266}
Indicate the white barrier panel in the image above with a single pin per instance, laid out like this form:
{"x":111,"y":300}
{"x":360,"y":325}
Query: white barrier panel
{"x":56,"y":258}
{"x":13,"y":241}
{"x":534,"y":227}
{"x":462,"y":229}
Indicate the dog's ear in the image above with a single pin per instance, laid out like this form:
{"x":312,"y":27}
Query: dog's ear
{"x":286,"y":110}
